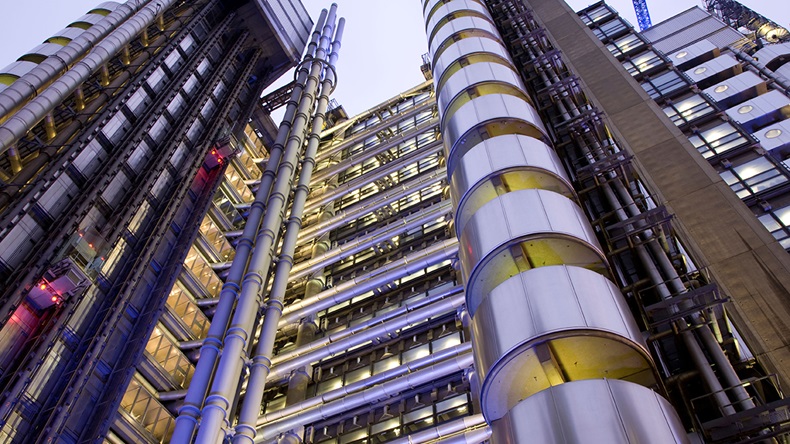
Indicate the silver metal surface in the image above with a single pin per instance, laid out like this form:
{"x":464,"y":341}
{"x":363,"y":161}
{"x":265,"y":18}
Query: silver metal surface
{"x":465,"y":47}
{"x":522,"y":230}
{"x":551,"y":325}
{"x":475,"y":74}
{"x":451,"y":7}
{"x":594,"y":411}
{"x":752,"y":113}
{"x":514,"y":162}
{"x":448,"y":29}
{"x":494,"y":109}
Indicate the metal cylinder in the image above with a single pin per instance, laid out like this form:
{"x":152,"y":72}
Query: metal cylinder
{"x":544,"y":311}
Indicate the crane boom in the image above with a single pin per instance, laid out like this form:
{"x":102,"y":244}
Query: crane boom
{"x":642,"y":14}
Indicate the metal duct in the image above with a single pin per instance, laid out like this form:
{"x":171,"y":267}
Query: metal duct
{"x":36,"y":109}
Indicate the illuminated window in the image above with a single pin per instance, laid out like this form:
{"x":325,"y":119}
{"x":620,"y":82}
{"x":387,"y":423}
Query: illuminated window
{"x":778,"y":223}
{"x":753,"y":177}
{"x":717,"y":140}
{"x":688,"y":109}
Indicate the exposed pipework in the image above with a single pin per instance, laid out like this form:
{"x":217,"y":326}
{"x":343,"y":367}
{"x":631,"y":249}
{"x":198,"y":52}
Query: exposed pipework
{"x":443,"y":431}
{"x":223,"y":393}
{"x":381,"y":391}
{"x":189,"y":412}
{"x":31,"y":83}
{"x":261,"y":360}
{"x":346,"y":290}
{"x":322,"y":349}
{"x":354,"y":387}
{"x":37,"y":108}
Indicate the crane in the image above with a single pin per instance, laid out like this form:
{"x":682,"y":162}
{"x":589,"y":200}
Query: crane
{"x":642,"y":14}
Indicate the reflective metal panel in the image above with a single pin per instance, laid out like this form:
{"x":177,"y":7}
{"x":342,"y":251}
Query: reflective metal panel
{"x":466,"y":47}
{"x":779,"y":52}
{"x":522,"y":230}
{"x":460,"y":24}
{"x":551,"y":325}
{"x":18,"y":68}
{"x":431,"y":8}
{"x":504,"y":164}
{"x":487,"y":109}
{"x":452,"y":7}
{"x":594,"y":411}
{"x":474,"y":74}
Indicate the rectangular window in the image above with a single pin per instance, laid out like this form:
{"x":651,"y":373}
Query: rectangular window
{"x":642,"y":63}
{"x":718,"y":140}
{"x":137,"y":101}
{"x":625,"y":44}
{"x":688,"y":109}
{"x":157,"y":79}
{"x":778,"y":223}
{"x":664,"y":84}
{"x":753,"y":177}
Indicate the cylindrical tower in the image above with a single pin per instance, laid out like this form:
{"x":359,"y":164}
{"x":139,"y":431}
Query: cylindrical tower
{"x":551,"y":331}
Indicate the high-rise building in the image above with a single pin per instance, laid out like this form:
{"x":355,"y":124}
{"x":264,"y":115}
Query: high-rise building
{"x":570,"y":232}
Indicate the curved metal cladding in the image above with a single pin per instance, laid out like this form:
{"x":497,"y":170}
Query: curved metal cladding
{"x":547,"y":321}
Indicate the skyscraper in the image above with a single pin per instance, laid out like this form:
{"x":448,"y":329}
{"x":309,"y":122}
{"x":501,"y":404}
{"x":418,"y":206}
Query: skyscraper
{"x":544,"y":242}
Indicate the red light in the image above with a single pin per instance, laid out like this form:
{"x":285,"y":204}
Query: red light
{"x":54,"y":299}
{"x":214,"y":152}
{"x":43,"y":286}
{"x":102,"y":258}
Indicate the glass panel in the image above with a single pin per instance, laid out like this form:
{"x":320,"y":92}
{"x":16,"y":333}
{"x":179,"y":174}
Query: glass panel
{"x":664,"y":84}
{"x":202,"y":271}
{"x":777,"y":222}
{"x":753,"y":177}
{"x":688,"y":109}
{"x":718,"y":140}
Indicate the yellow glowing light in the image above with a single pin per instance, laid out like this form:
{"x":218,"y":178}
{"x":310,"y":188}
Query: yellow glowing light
{"x":745,"y":109}
{"x":772,"y":134}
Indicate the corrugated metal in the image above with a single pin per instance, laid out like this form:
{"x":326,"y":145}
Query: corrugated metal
{"x":726,"y":36}
{"x":709,"y":28}
{"x":675,"y":24}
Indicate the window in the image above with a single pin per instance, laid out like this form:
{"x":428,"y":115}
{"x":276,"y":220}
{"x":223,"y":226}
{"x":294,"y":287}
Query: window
{"x":625,"y":45}
{"x":596,"y":15}
{"x":610,"y":29}
{"x":642,"y":63}
{"x":777,"y":222}
{"x":753,"y":177}
{"x":718,"y":140}
{"x":690,"y":108}
{"x":664,"y":84}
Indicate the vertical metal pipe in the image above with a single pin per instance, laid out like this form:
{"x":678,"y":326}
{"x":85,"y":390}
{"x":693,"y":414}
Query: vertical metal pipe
{"x":259,"y":370}
{"x":233,"y":357}
{"x":189,"y":412}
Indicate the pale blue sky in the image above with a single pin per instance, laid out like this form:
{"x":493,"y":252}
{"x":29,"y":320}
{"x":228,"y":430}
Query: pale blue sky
{"x":381,"y":51}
